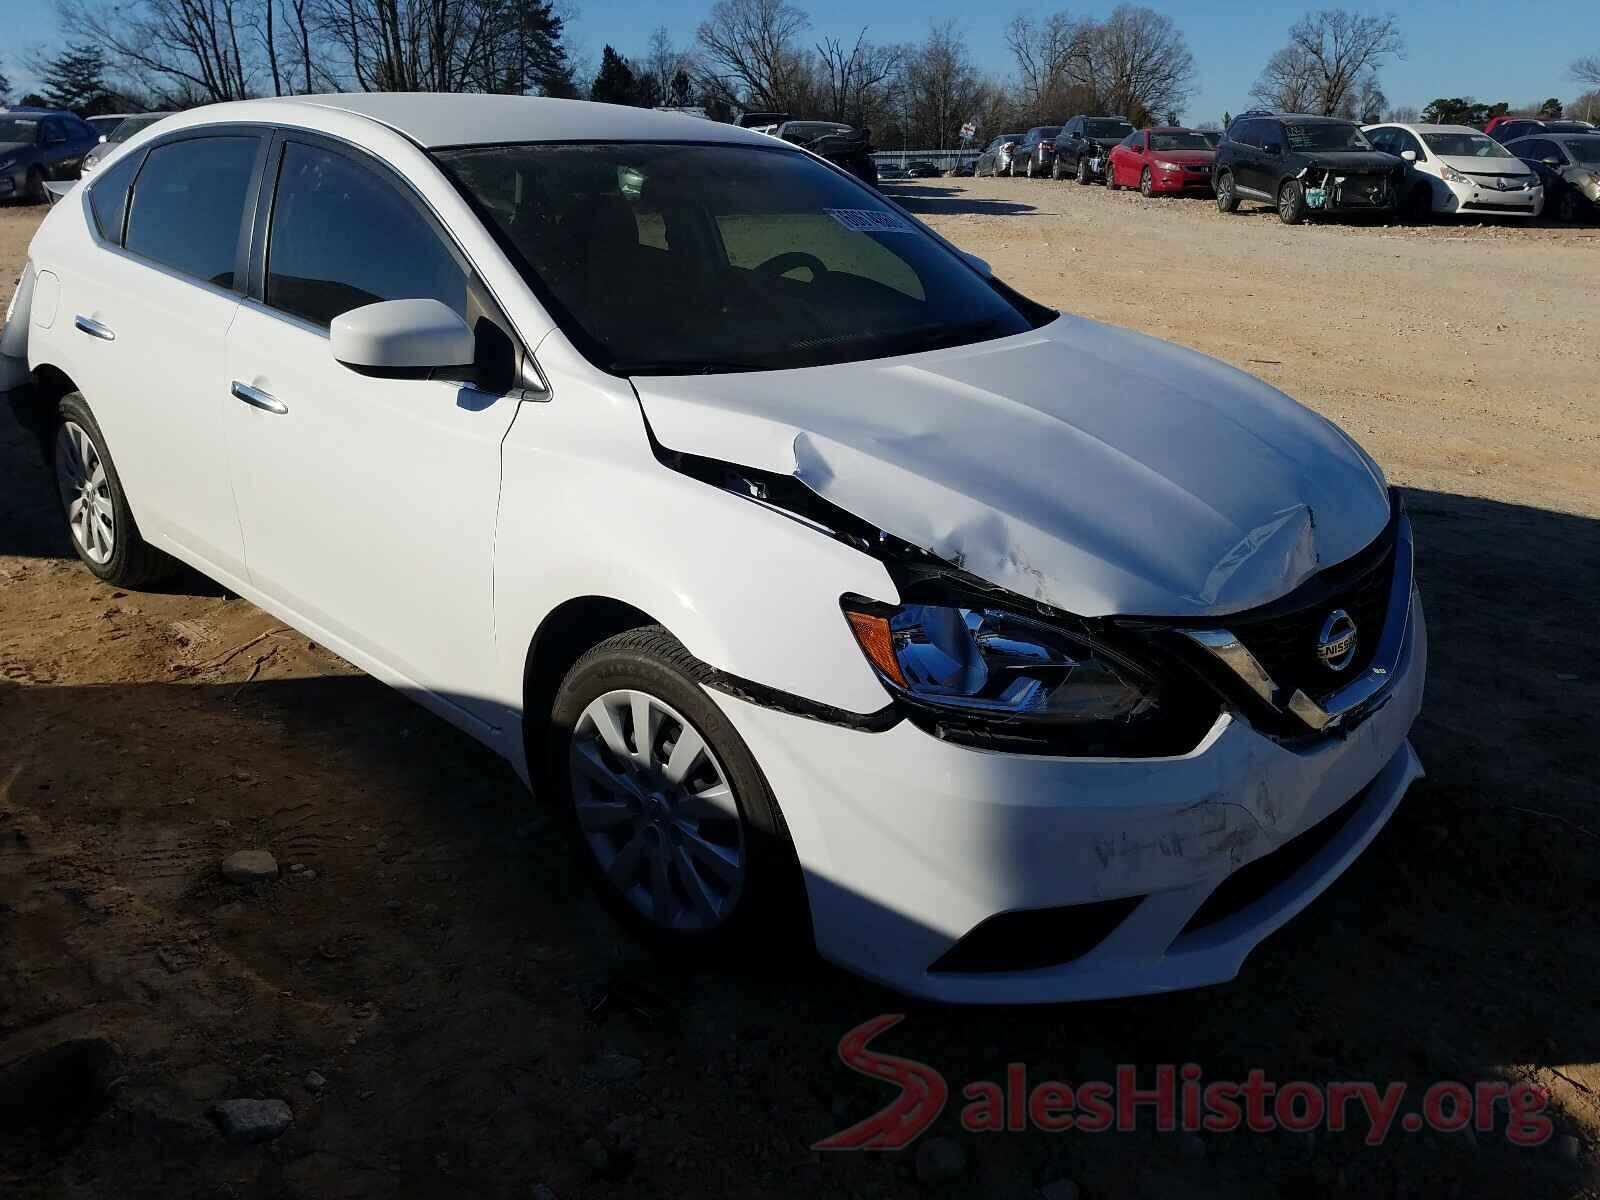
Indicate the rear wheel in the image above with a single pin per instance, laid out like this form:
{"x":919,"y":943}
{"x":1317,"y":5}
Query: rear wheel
{"x":1567,"y":206}
{"x":99,"y":520}
{"x":35,"y":191}
{"x":1291,"y":202}
{"x":1055,"y":169}
{"x":1083,"y":171}
{"x":1145,"y":189}
{"x":1227,"y":198}
{"x":673,"y":818}
{"x":1028,"y":170}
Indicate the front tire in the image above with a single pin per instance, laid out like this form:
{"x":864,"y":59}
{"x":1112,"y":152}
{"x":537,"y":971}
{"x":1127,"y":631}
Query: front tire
{"x":672,"y":817}
{"x":1292,"y":203}
{"x":1227,"y":198}
{"x":1145,"y":188}
{"x":99,"y":521}
{"x":1083,"y":172}
{"x":1055,"y":169}
{"x":1567,"y":206}
{"x":1028,"y":170}
{"x":34,"y":191}
{"x":1111,"y":178}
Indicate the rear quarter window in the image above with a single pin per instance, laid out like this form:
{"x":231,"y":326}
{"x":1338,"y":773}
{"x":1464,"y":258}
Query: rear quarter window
{"x":108,"y":196}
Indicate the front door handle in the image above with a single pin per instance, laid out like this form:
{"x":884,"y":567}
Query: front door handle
{"x":256,"y":398}
{"x":94,"y":328}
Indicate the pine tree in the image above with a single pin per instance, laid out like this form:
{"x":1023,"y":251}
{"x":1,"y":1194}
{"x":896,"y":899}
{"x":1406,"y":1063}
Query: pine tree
{"x":615,"y":82}
{"x":75,"y":80}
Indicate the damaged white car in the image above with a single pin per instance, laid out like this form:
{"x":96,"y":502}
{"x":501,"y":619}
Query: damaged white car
{"x":835,"y":591}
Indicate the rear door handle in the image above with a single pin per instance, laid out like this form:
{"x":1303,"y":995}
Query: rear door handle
{"x":256,"y":398}
{"x":94,"y":328}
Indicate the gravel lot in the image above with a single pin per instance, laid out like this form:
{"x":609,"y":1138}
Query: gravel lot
{"x":444,"y":1011}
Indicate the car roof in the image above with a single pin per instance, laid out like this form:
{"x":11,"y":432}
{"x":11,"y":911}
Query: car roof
{"x":1416,"y":127}
{"x":433,"y":119}
{"x":30,"y":111}
{"x":1293,"y":118}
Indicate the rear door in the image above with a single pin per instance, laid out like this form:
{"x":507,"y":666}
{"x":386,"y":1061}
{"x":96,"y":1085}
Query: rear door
{"x":368,"y":503}
{"x":1250,"y":162}
{"x":151,"y":324}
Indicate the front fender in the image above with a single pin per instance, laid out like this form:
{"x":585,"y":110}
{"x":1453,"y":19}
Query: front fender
{"x":587,"y":510}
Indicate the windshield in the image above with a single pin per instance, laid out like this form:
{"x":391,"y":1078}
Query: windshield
{"x":18,"y":129}
{"x":1107,"y":129}
{"x":1049,"y":131}
{"x":1465,"y":145}
{"x":1179,"y":141}
{"x":670,"y":258}
{"x":812,"y":129}
{"x":1325,"y":135}
{"x":1585,"y":149}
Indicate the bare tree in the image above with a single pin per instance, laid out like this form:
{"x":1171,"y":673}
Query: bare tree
{"x":1405,"y":114}
{"x":1144,"y":64}
{"x":942,"y":88}
{"x":185,"y":51}
{"x":857,"y":85}
{"x":663,"y":62}
{"x":1586,"y":70}
{"x":1331,"y":57}
{"x":751,"y":54}
{"x":1053,"y":61}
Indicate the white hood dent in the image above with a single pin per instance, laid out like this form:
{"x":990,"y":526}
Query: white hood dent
{"x":1090,"y":468}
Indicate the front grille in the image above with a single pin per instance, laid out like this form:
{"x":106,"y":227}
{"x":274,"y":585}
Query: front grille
{"x":1285,"y":643}
{"x":1196,"y":168}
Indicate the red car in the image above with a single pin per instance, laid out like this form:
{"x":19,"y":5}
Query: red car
{"x":1162,"y":160}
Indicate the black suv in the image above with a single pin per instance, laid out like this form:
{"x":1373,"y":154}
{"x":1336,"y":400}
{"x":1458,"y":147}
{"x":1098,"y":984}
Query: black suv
{"x":1084,"y":144}
{"x":1303,"y":165}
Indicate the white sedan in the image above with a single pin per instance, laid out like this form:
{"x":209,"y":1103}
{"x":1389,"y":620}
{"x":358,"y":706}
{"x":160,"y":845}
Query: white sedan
{"x":837,"y":593}
{"x":1457,"y":171}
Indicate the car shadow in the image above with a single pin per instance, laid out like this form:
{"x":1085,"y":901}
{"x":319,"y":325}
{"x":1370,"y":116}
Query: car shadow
{"x":949,"y":199}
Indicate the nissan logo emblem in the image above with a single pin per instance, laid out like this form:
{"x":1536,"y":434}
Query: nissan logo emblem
{"x":1336,"y":644}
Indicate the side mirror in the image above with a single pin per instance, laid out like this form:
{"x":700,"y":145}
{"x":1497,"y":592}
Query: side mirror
{"x":981,"y":266}
{"x":1552,"y":162}
{"x":1274,"y":148}
{"x":1409,"y":155}
{"x":102,"y":139}
{"x":401,"y":335}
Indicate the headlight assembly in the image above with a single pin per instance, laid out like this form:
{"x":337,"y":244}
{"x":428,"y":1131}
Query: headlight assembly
{"x":1452,"y":175}
{"x":1169,"y":166}
{"x":983,"y":672}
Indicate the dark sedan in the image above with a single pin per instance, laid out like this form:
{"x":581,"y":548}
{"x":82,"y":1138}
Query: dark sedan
{"x":1084,"y":144}
{"x":1037,"y":151}
{"x":1568,"y":164}
{"x":38,"y":145}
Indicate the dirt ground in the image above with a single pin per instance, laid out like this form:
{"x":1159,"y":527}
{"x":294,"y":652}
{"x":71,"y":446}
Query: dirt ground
{"x":476,"y":1026}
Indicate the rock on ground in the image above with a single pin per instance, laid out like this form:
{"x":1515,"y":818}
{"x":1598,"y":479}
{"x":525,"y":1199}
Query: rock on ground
{"x":252,"y":1120}
{"x":249,"y":866}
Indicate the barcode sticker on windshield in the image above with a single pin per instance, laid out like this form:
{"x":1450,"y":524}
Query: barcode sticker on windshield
{"x":870,"y":220}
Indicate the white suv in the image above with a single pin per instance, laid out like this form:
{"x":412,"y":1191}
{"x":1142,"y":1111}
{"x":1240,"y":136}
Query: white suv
{"x":833,"y":589}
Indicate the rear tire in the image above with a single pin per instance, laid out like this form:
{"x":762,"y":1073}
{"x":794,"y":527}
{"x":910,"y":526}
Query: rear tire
{"x":1111,"y":179}
{"x":1083,"y":172}
{"x":35,"y":192}
{"x":702,"y":866}
{"x":1028,"y":170}
{"x":99,"y":521}
{"x":1567,"y":206}
{"x":1227,"y":198}
{"x":1055,"y":169}
{"x":1292,"y":202}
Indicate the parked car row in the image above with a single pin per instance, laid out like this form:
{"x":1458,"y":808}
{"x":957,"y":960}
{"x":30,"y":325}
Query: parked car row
{"x":49,"y":145}
{"x":1305,"y":166}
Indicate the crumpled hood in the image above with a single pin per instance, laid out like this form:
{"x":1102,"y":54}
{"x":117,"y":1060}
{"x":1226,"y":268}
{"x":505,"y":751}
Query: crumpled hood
{"x":1091,"y":468}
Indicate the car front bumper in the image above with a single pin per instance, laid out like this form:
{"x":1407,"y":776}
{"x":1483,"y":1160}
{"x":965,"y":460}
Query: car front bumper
{"x":1469,"y":199}
{"x":1180,"y":181}
{"x":909,"y":843}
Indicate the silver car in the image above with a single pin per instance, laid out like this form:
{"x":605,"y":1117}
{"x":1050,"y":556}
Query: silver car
{"x":124,"y":130}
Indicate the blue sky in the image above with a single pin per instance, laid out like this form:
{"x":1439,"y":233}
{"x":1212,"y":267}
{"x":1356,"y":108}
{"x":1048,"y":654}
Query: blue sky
{"x":1482,"y":48}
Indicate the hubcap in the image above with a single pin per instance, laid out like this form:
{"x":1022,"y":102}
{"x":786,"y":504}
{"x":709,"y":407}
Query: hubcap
{"x":656,"y":810}
{"x":85,"y":493}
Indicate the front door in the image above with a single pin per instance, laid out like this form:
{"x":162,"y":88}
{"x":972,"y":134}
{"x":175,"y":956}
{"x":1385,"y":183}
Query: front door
{"x":368,"y":503}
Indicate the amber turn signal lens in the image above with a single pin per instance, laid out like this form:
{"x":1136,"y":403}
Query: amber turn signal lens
{"x":872,"y":631}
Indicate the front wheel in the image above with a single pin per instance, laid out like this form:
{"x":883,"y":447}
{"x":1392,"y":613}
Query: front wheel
{"x":1028,"y":170}
{"x":101,"y":524}
{"x":1227,"y":198}
{"x":1083,"y":172}
{"x":1145,"y":188}
{"x":34,"y":191}
{"x":1292,"y":203}
{"x":1055,"y":169}
{"x":673,"y":818}
{"x":1567,"y":206}
{"x":1419,"y":205}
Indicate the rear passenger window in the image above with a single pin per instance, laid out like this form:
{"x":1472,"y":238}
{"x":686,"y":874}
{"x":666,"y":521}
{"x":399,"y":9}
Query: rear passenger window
{"x":188,"y":203}
{"x":343,"y":236}
{"x":108,"y":196}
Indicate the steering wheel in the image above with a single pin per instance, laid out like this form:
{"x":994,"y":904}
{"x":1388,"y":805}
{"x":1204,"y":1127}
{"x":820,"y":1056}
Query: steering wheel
{"x":782,"y":264}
